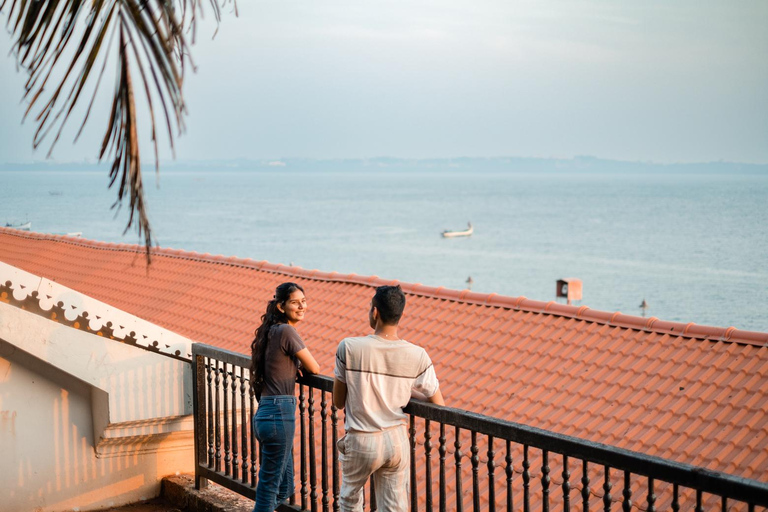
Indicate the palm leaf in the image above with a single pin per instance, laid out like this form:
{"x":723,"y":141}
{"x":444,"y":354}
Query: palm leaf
{"x":65,"y":40}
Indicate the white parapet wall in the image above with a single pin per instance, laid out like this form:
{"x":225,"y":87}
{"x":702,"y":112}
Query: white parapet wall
{"x":87,"y":422}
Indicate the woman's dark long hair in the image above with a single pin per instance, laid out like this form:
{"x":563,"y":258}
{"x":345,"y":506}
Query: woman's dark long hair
{"x":259,"y":346}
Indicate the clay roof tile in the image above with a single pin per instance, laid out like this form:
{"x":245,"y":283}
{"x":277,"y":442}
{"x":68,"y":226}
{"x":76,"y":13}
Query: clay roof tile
{"x":595,"y":374}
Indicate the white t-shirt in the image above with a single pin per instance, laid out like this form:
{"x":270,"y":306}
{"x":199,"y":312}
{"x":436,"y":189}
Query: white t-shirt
{"x":380,"y":375}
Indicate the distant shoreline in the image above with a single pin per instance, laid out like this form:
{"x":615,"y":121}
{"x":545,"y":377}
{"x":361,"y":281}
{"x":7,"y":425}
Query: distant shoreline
{"x":579,"y":164}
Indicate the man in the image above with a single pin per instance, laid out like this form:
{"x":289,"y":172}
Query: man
{"x":374,"y":378}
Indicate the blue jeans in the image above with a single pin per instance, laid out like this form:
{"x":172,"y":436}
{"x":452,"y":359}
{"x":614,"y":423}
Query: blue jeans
{"x":274,"y":424}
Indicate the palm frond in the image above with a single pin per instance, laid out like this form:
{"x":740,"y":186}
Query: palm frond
{"x":65,"y":40}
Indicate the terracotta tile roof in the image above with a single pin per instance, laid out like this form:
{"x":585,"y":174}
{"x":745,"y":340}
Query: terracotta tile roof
{"x":692,"y":393}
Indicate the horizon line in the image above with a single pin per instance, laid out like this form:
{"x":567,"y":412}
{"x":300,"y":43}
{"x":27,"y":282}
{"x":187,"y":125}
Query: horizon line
{"x":276,"y":160}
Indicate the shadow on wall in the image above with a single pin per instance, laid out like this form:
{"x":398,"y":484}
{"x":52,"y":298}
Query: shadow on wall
{"x":48,"y":442}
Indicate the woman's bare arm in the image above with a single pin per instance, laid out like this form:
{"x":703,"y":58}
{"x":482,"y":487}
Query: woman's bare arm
{"x":308,"y":362}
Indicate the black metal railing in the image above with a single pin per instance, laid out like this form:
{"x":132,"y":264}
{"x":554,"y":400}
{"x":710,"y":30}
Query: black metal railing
{"x":482,"y":463}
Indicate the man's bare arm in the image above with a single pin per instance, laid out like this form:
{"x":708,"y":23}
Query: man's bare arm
{"x":437,"y":398}
{"x":340,"y":394}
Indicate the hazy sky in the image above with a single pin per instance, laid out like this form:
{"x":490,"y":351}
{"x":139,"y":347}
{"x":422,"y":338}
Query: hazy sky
{"x":663,"y":81}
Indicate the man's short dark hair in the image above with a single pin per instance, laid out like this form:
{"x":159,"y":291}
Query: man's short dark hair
{"x":390,"y":301}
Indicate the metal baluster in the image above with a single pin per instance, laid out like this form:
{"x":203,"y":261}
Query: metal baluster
{"x":651,"y":496}
{"x":303,"y":430}
{"x":545,"y":480}
{"x":209,"y":413}
{"x":491,"y":478}
{"x":227,"y":453}
{"x":243,"y":425}
{"x":607,"y":490}
{"x":675,"y":498}
{"x":324,"y":448}
{"x":627,"y":493}
{"x":412,"y":442}
{"x":457,"y":457}
{"x":217,"y":466}
{"x":585,"y":486}
{"x":751,"y":507}
{"x":526,"y":480}
{"x":374,"y":506}
{"x":441,"y":450}
{"x":312,"y":454}
{"x":198,"y":417}
{"x":475,"y":460}
{"x":254,"y":447}
{"x":335,"y":451}
{"x":510,"y":471}
{"x":698,"y":508}
{"x":724,"y":502}
{"x":235,"y":464}
{"x":428,"y":456}
{"x":566,"y":485}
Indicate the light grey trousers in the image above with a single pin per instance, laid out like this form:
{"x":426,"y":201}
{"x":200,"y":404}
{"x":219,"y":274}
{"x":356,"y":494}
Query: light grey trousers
{"x":386,"y":455}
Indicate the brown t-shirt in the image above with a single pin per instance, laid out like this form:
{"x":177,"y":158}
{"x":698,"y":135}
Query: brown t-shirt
{"x":281,"y":365}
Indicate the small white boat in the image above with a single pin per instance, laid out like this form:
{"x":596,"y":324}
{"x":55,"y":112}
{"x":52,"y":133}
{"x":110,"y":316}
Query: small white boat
{"x":26,"y":226}
{"x":453,"y":234}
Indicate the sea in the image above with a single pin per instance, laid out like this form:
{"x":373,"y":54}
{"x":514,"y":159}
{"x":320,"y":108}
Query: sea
{"x":691,"y":242}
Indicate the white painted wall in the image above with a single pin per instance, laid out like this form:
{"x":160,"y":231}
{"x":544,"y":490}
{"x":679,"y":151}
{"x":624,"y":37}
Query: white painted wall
{"x":86,"y":422}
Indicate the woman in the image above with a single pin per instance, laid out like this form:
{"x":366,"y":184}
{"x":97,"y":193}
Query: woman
{"x":277,"y":354}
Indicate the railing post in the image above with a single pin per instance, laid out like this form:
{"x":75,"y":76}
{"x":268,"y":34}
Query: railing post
{"x":627,"y":493}
{"x":335,"y":452}
{"x":545,"y":480}
{"x":585,"y":486}
{"x":209,"y":412}
{"x":491,"y":476}
{"x":428,"y":455}
{"x":509,"y":471}
{"x":252,"y":437}
{"x":312,"y":450}
{"x":566,"y":485}
{"x":457,"y":457}
{"x":198,"y":391}
{"x":414,"y":483}
{"x":441,"y":450}
{"x":651,"y":497}
{"x":675,"y":498}
{"x":372,"y":503}
{"x":243,"y":427}
{"x":216,"y":416}
{"x":226,"y":433}
{"x":526,"y":480}
{"x":607,"y":498}
{"x":303,"y":456}
{"x":324,"y":449}
{"x":235,"y":464}
{"x":475,"y":460}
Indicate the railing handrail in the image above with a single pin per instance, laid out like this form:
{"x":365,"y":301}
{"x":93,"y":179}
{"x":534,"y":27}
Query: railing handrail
{"x":620,"y":459}
{"x":221,"y":354}
{"x":617,"y":458}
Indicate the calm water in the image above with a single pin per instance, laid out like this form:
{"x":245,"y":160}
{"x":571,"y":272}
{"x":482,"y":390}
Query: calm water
{"x":694,"y":246}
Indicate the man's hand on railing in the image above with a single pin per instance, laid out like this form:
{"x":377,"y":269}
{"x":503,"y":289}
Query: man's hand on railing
{"x":437,"y":398}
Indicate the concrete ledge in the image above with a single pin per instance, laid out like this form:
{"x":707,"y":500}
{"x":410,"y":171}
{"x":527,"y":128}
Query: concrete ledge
{"x":180,"y":492}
